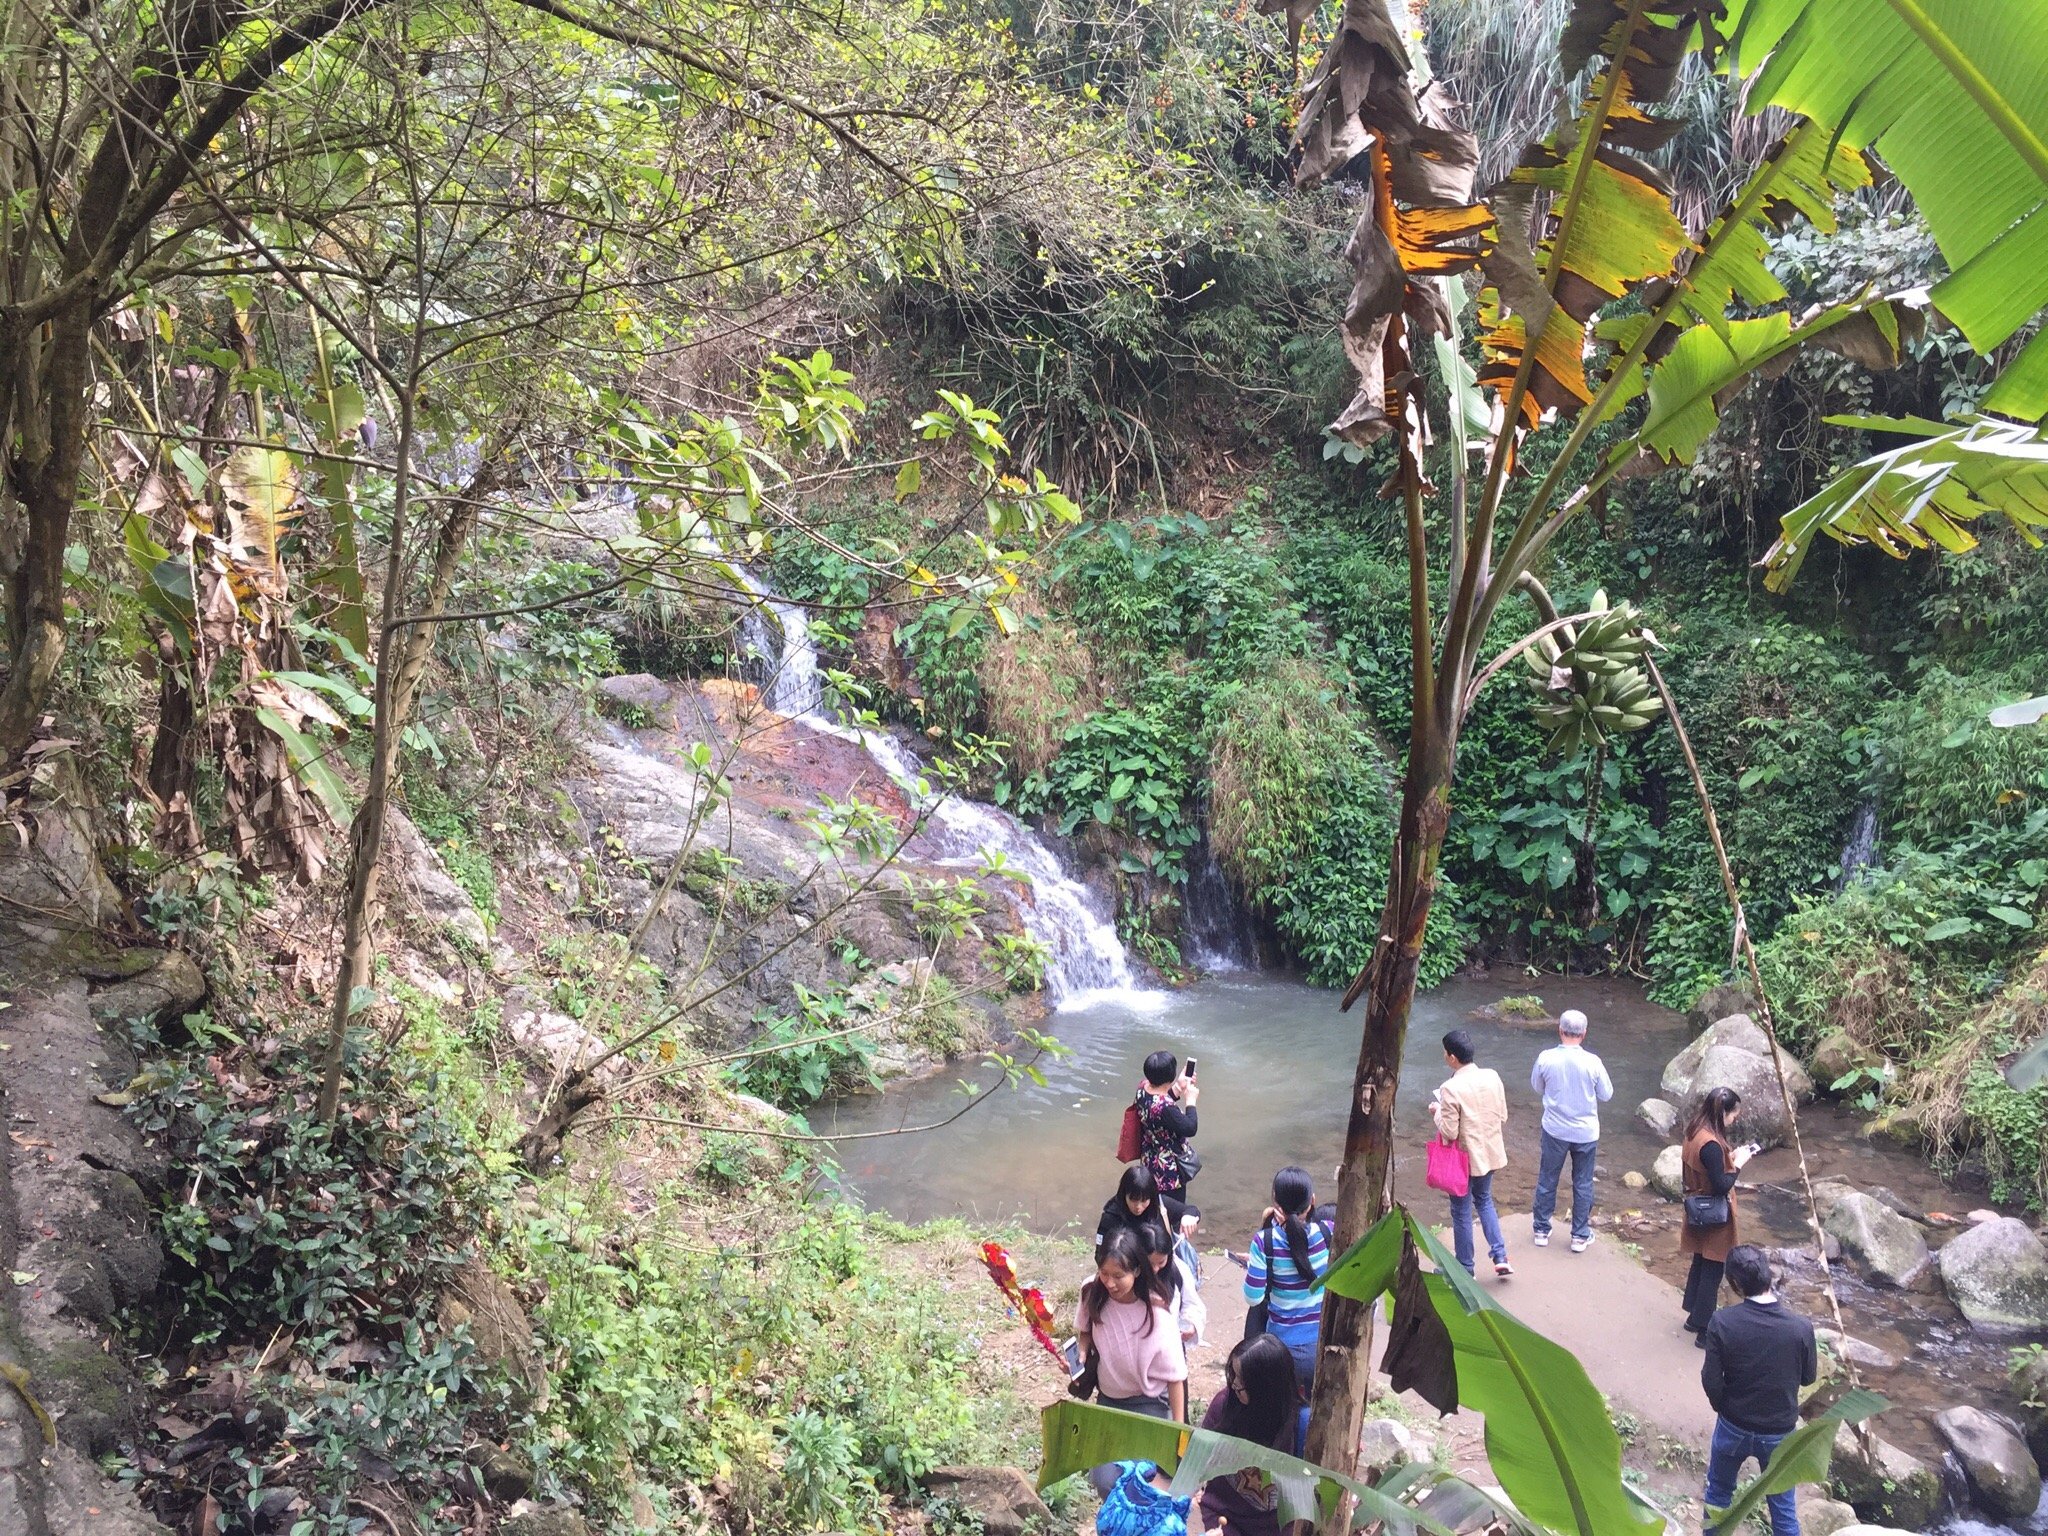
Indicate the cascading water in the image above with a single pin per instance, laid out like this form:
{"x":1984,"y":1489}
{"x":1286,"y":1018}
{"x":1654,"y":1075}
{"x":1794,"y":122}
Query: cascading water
{"x":1860,"y":852}
{"x":1216,"y":929}
{"x":1086,"y":961}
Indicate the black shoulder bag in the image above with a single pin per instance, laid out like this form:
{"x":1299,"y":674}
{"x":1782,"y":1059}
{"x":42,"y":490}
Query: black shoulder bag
{"x":1255,"y":1315}
{"x":1705,"y":1212}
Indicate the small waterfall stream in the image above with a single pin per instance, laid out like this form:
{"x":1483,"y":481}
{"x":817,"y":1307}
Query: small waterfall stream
{"x":1216,"y":929}
{"x":1860,"y":852}
{"x":1087,"y":962}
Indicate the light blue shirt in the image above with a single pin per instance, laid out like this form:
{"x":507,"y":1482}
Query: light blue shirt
{"x":1574,"y":1084}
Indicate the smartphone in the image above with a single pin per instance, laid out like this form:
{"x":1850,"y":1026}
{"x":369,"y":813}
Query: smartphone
{"x":1072,"y":1350}
{"x":1751,"y":1148}
{"x":1191,"y":1067}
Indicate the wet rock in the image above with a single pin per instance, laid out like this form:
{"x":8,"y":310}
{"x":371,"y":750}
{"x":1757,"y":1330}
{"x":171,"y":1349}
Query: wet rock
{"x":1385,"y":1443}
{"x":168,"y":989}
{"x":1718,"y":1003}
{"x":1002,"y":1497}
{"x":1888,"y":1247}
{"x":1825,"y":1517}
{"x":1840,"y":1053}
{"x":1899,"y":1486}
{"x":1634,"y":1180}
{"x":425,"y":881}
{"x":1862,"y":1354}
{"x":1667,"y":1174}
{"x":1978,"y":1217}
{"x":1902,"y":1126}
{"x":2030,"y":1380}
{"x":1997,"y":1274}
{"x":2004,"y":1481}
{"x":1661,"y":1116}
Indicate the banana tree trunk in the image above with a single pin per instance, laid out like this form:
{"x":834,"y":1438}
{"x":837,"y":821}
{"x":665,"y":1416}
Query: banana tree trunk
{"x":1344,"y":1361}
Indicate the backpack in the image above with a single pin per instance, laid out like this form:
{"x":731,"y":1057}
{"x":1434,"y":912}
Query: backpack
{"x":1135,"y":1508}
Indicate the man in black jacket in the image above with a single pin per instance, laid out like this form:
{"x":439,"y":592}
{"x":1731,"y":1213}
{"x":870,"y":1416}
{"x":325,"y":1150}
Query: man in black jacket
{"x":1758,"y":1357}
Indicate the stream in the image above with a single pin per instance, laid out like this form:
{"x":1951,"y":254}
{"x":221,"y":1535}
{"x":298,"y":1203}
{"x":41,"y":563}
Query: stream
{"x":1275,"y":1061}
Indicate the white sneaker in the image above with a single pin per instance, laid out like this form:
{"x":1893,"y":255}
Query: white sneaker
{"x":1541,"y":1239}
{"x":1581,"y":1244}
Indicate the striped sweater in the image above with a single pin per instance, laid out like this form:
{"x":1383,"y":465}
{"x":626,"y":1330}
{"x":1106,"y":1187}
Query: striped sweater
{"x":1295,"y":1297}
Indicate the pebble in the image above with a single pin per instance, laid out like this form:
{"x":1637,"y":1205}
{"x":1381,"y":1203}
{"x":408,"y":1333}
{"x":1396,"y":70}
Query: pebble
{"x":1635,"y":1180}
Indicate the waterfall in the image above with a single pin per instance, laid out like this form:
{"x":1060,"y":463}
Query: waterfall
{"x":1086,"y":961}
{"x":1216,"y":928}
{"x":777,"y":638}
{"x":1860,"y":852}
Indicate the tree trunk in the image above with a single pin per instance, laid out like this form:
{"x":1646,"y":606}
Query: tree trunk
{"x":1344,"y":1362}
{"x":35,"y":598}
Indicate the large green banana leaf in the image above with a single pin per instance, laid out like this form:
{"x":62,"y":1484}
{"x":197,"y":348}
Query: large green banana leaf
{"x":1802,"y":1457}
{"x":1953,"y":95}
{"x":1548,"y":1435}
{"x":1080,"y":1435}
{"x":1927,"y":492}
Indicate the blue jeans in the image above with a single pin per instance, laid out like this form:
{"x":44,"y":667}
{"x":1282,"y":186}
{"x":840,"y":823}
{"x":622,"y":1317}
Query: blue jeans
{"x":1547,"y":1172}
{"x":1731,"y":1448}
{"x":1481,"y":1195}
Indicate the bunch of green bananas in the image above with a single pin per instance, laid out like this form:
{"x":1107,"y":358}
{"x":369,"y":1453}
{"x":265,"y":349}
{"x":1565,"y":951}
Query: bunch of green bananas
{"x":1588,"y":685}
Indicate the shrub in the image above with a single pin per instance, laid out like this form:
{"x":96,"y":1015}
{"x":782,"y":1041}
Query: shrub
{"x":1037,"y":684}
{"x":1286,"y":743}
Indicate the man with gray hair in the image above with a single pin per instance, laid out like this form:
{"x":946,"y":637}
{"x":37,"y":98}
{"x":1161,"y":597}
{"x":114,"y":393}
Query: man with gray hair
{"x":1574,"y":1084}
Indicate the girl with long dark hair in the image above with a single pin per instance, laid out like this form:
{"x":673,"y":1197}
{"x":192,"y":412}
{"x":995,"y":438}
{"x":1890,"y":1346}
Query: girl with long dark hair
{"x":1125,"y":1324}
{"x":1176,"y":1282}
{"x":1711,"y":1161}
{"x":1258,"y":1404}
{"x":1290,"y":1254}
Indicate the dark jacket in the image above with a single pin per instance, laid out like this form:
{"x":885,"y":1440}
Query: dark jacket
{"x":1759,"y":1355}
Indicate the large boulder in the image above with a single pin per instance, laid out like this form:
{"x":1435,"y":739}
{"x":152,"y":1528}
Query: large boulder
{"x":2030,"y":1381}
{"x":1893,"y":1485}
{"x":1997,"y":1274}
{"x":1384,"y":1444}
{"x":1660,"y":1117}
{"x":1667,"y":1174}
{"x":1888,"y":1247}
{"x":1002,"y":1497}
{"x":170,"y":986}
{"x":1736,"y":1053}
{"x":2004,"y":1481}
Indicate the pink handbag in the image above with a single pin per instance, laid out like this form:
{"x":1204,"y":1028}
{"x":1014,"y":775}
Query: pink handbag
{"x":1450,"y":1170}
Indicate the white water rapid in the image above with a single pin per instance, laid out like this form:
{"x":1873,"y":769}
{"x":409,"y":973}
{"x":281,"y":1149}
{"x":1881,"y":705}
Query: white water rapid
{"x":1087,"y":963}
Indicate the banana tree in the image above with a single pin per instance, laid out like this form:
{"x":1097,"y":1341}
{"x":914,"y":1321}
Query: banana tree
{"x":1598,"y":313}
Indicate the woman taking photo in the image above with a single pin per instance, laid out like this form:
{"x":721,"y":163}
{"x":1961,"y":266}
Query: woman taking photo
{"x":1708,"y":1179}
{"x":1289,"y":1256}
{"x":1257,"y":1403}
{"x":1125,"y":1325}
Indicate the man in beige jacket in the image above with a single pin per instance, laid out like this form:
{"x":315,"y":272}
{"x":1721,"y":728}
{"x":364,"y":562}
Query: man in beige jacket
{"x":1471,"y":1111}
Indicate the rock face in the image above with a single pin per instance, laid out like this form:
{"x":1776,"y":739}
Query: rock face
{"x":1736,"y":1053}
{"x":1660,"y":1116}
{"x":425,"y":880}
{"x":1667,"y":1174}
{"x":1997,"y":1273}
{"x":1002,"y":1496}
{"x":1889,"y":1248}
{"x":54,"y":895}
{"x":2004,"y":1481}
{"x":1899,"y":1487}
{"x":498,"y":1325}
{"x":171,"y":987}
